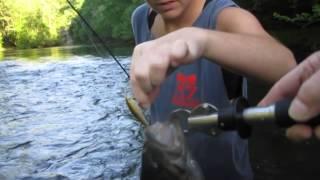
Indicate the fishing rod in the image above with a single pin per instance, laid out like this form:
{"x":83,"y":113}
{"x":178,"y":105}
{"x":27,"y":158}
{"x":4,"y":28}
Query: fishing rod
{"x":99,"y":38}
{"x":132,"y":104}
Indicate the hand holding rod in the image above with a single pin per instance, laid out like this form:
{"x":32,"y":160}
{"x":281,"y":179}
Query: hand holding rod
{"x":239,"y":117}
{"x":278,"y":112}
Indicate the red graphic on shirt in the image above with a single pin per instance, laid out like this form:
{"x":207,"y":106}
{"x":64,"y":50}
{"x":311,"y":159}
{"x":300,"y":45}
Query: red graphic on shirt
{"x":185,"y":91}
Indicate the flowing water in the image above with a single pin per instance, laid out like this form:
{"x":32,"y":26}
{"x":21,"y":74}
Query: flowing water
{"x":65,"y":117}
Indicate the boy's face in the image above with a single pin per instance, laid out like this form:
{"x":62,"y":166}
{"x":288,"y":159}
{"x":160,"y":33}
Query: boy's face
{"x":169,"y":9}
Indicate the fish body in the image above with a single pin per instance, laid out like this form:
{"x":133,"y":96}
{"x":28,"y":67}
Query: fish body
{"x":166,"y":155}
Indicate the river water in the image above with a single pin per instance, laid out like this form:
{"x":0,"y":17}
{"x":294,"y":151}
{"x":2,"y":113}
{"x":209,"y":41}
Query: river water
{"x":63,"y":116}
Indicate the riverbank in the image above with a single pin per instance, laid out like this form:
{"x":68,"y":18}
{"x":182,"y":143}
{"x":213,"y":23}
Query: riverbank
{"x":62,"y":52}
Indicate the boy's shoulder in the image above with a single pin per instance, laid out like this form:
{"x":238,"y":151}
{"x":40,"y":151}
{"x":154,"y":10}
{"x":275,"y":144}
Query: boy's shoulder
{"x":139,"y":11}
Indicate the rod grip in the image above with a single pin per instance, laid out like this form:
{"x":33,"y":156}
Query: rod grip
{"x":283,"y":119}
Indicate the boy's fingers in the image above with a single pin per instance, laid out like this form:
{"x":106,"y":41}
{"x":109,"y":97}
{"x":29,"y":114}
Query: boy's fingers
{"x":299,"y":132}
{"x":306,"y":104}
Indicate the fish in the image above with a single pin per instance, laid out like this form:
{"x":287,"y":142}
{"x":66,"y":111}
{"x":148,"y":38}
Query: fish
{"x":166,"y":155}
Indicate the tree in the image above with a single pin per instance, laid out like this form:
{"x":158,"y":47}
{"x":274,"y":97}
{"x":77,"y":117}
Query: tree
{"x":6,"y":22}
{"x":34,"y":23}
{"x":0,"y":42}
{"x":33,"y":32}
{"x":109,"y":18}
{"x":303,"y":19}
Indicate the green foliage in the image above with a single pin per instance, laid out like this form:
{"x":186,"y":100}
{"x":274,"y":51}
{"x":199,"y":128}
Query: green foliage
{"x":34,"y":33}
{"x":0,"y":42}
{"x":34,"y":23}
{"x":109,"y":18}
{"x":6,"y":20}
{"x":303,"y":19}
{"x":40,"y":23}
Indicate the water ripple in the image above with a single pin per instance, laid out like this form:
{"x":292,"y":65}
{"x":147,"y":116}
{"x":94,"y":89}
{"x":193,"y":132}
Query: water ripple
{"x":67,"y":120}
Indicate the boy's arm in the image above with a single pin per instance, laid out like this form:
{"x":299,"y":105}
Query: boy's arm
{"x":239,"y":44}
{"x":242,"y":45}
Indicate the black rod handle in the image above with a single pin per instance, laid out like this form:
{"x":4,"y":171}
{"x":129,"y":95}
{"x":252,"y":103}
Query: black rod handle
{"x":283,"y":119}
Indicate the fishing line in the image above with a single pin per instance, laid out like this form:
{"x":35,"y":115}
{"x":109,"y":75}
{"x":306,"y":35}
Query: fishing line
{"x":102,"y":54}
{"x":141,"y":115}
{"x":99,"y":38}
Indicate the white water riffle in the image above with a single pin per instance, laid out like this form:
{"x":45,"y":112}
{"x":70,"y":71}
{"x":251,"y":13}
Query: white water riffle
{"x":67,"y":120}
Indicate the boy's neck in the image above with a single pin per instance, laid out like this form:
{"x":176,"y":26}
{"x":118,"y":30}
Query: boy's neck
{"x":163,"y":26}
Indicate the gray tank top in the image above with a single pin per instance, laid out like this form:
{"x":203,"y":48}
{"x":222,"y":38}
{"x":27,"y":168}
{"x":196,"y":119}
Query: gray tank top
{"x":220,"y":157}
